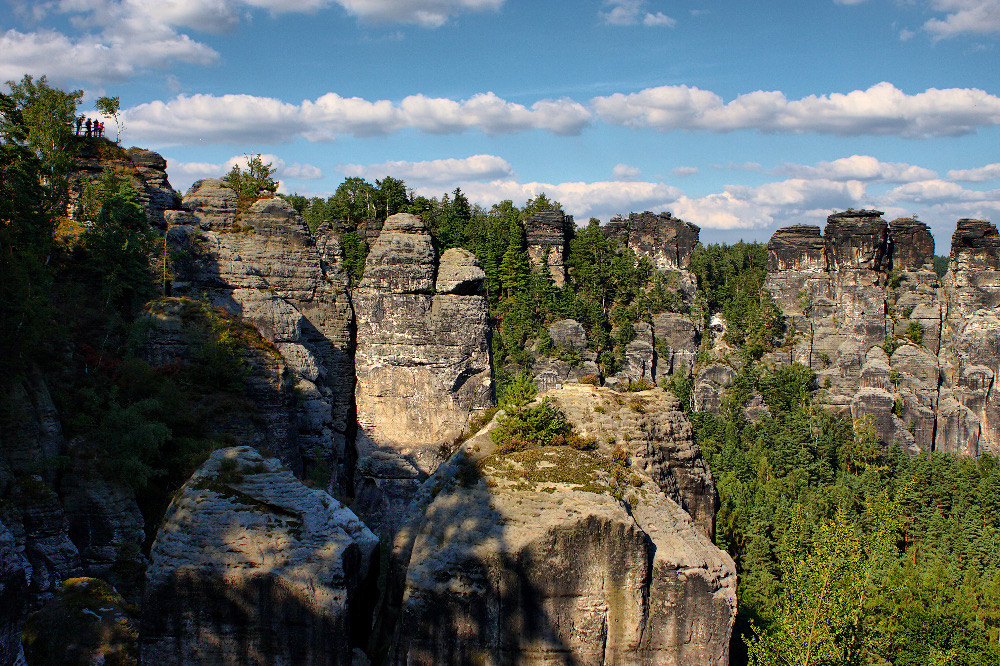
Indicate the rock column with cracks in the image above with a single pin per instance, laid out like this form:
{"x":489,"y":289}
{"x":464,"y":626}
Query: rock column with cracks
{"x":422,"y":363}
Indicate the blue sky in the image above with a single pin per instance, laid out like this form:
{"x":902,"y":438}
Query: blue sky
{"x":735,"y":118}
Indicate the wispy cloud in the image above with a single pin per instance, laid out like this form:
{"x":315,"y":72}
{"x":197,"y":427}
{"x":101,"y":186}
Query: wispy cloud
{"x":634,"y":12}
{"x":436,"y":172}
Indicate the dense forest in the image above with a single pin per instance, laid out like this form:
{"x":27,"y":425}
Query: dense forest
{"x":846,"y":553}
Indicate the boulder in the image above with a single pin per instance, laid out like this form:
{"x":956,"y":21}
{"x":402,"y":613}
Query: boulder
{"x":263,"y":264}
{"x":709,"y":386}
{"x":677,"y":339}
{"x":459,"y":273}
{"x":252,"y":567}
{"x":912,"y":245}
{"x":665,"y":240}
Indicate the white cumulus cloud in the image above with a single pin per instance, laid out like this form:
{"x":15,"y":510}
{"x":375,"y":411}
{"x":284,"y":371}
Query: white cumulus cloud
{"x":625,"y":172}
{"x":977,"y":175}
{"x":183,"y":174}
{"x":859,"y":167}
{"x":426,"y":13}
{"x":633,"y":12}
{"x":964,"y":17}
{"x":253,"y":119}
{"x":436,"y":172}
{"x":880,"y":110}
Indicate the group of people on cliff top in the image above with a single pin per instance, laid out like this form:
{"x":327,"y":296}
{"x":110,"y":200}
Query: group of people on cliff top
{"x":89,"y":128}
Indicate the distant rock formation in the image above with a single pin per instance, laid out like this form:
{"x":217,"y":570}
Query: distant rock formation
{"x":864,"y":285}
{"x":663,"y":239}
{"x":567,"y":556}
{"x":422,"y":363}
{"x":547,"y":234}
{"x":252,"y":567}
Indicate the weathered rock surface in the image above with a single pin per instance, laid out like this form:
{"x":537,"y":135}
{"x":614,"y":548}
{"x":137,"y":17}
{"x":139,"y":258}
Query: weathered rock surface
{"x":864,"y":283}
{"x":664,"y":239}
{"x":252,"y":567}
{"x":710,"y":385}
{"x":263,"y":265}
{"x":13,"y":598}
{"x":547,"y":234}
{"x":35,"y":517}
{"x":568,"y":333}
{"x":677,"y":339}
{"x":554,"y":555}
{"x":178,"y":330}
{"x":422,"y":363}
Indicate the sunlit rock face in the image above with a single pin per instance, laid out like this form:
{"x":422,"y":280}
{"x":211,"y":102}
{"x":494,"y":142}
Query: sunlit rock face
{"x":264,"y":265}
{"x":252,"y":567}
{"x":422,"y":363}
{"x":891,"y":342}
{"x":547,"y":235}
{"x":557,"y":555}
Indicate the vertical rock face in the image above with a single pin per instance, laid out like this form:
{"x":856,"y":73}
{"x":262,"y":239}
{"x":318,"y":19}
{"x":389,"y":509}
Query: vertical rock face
{"x":13,"y":596}
{"x":422,"y":363}
{"x":933,"y":386}
{"x":554,"y":563}
{"x":677,"y":340}
{"x":252,"y":567}
{"x":264,"y":265}
{"x":547,"y":235}
{"x":912,"y":245}
{"x":664,"y":239}
{"x":157,"y":196}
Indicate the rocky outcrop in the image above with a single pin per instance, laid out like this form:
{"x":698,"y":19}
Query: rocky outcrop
{"x":35,"y":517}
{"x":13,"y":598}
{"x":568,"y":334}
{"x":252,"y":567}
{"x":865,"y":285}
{"x":264,"y":265}
{"x":422,"y":363}
{"x":676,"y":341}
{"x":178,"y":332}
{"x":145,"y":170}
{"x":547,"y":234}
{"x":709,"y":386}
{"x":562,"y":556}
{"x":663,"y":239}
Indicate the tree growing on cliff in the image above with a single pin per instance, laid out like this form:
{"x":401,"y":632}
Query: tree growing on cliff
{"x":44,"y":124}
{"x":254,"y":179}
{"x":110,"y":106}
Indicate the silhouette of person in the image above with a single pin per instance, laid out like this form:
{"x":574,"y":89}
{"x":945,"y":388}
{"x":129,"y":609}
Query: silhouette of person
{"x":79,"y":125}
{"x":89,"y":125}
{"x":100,"y":128}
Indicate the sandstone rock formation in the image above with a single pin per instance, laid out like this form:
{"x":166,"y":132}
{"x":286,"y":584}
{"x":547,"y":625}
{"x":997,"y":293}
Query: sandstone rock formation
{"x":252,"y":567}
{"x":664,"y":239}
{"x":554,"y":555}
{"x":547,"y":234}
{"x":865,"y":285}
{"x":263,"y":265}
{"x":178,"y":330}
{"x":422,"y":363}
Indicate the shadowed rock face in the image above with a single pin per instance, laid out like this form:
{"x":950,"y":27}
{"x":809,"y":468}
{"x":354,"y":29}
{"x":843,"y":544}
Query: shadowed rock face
{"x":547,"y":235}
{"x":252,"y":567}
{"x":912,"y":245}
{"x":538,"y":557}
{"x":422,"y":363}
{"x":264,"y":265}
{"x":13,"y":597}
{"x":664,"y":239}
